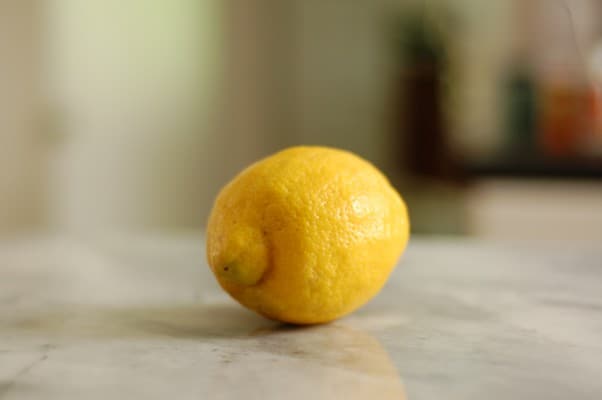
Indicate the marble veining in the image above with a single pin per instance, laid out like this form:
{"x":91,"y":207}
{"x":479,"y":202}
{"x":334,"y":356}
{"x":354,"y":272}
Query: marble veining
{"x":142,"y":317}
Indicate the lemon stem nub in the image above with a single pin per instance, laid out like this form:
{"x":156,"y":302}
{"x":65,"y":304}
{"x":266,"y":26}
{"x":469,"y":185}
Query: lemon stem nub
{"x":241,"y":274}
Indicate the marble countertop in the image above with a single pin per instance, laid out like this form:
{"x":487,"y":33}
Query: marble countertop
{"x":143,"y":318}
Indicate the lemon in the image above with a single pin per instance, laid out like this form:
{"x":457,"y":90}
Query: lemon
{"x":306,"y":235}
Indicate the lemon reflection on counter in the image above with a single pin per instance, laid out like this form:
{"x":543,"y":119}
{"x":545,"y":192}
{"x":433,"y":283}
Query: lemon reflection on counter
{"x":319,"y":362}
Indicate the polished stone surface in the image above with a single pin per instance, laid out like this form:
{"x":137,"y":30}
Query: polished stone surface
{"x":143,"y":318}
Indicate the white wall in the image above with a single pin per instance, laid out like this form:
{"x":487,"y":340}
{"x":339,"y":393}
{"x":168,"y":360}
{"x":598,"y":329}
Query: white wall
{"x":341,"y":74}
{"x":132,"y":84}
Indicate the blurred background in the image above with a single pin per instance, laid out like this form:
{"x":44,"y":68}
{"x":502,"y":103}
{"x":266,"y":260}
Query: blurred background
{"x":130,"y":115}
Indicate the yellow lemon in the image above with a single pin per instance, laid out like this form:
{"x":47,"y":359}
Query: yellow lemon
{"x":306,"y":235}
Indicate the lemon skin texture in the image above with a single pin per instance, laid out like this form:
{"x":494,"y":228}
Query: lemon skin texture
{"x":306,"y":235}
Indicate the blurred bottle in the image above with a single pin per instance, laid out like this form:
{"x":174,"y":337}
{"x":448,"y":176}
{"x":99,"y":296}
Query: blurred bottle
{"x":421,"y":125}
{"x":519,"y":97}
{"x":423,"y":153}
{"x":521,"y":109}
{"x":594,"y":147}
{"x":566,"y":117}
